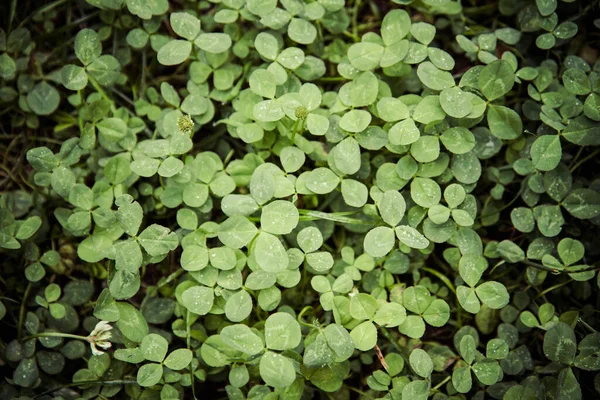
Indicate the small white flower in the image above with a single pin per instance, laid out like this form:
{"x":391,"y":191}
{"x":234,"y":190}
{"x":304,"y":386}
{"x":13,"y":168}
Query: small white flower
{"x":100,"y":337}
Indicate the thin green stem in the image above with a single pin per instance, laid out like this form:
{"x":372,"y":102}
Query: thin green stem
{"x":170,"y":278}
{"x":301,"y":321}
{"x":559,"y":271}
{"x":355,"y":10}
{"x":360,"y":392}
{"x":102,"y":93}
{"x":23,"y":309}
{"x":442,"y":383}
{"x":442,"y":277}
{"x":587,"y":325}
{"x":583,"y":160}
{"x":55,"y":334}
{"x":550,"y":289}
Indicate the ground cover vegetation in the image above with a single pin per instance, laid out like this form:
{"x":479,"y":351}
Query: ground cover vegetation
{"x":297,"y":199}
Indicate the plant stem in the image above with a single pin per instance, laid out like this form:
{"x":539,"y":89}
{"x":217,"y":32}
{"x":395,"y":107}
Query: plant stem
{"x":301,"y":321}
{"x":557,"y":271}
{"x":583,"y":160}
{"x":56,"y":334}
{"x":170,"y":278}
{"x":22,"y":311}
{"x":357,"y":4}
{"x":442,"y":383}
{"x":102,"y":93}
{"x":557,"y":286}
{"x":587,"y":325}
{"x":442,"y":277}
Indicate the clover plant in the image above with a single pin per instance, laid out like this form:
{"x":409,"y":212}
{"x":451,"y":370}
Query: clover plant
{"x":263,"y":199}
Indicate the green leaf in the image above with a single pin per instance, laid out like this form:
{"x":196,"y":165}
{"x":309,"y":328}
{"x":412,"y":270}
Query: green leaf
{"x":112,"y":129}
{"x":241,"y":338}
{"x":178,"y":359}
{"x":546,"y":7}
{"x":213,"y":43}
{"x":43,"y":99}
{"x":423,"y":32}
{"x":487,"y":371}
{"x":267,"y":46}
{"x":437,"y":314}
{"x":546,"y":152}
{"x":411,"y":237}
{"x":582,"y":131}
{"x":390,"y":315}
{"x":73,"y":77}
{"x":458,"y":140}
{"x":379,"y":241}
{"x":262,"y":83}
{"x":149,"y":374}
{"x":493,"y":294}
{"x":496,"y":79}
{"x":504,"y":123}
{"x":279,"y":217}
{"x":128,"y":256}
{"x":346,"y":155}
{"x":362,"y":306}
{"x":185,"y":25}
{"x":174,"y":52}
{"x":237,"y":231}
{"x":322,"y":180}
{"x":270,"y":254}
{"x":510,"y":251}
{"x":154,"y":347}
{"x":404,"y":133}
{"x":355,"y":121}
{"x":461,"y":379}
{"x":238,"y":306}
{"x":395,"y":26}
{"x":365,"y":56}
{"x":568,"y":386}
{"x":497,"y":349}
{"x":434,"y":78}
{"x":339,"y":340}
{"x":391,"y":109}
{"x":87,"y":46}
{"x":560,"y":343}
{"x":354,"y":193}
{"x":426,"y":149}
{"x":276,"y":370}
{"x":583,"y":203}
{"x":416,"y":390}
{"x":391,"y":207}
{"x":261,"y":7}
{"x":198,"y":299}
{"x":364,"y":336}
{"x":570,"y":251}
{"x":301,"y":31}
{"x":425,"y":192}
{"x":131,"y":323}
{"x":29,"y":227}
{"x":468,"y":299}
{"x":421,"y":363}
{"x":104,"y":70}
{"x":282,"y":331}
{"x":576,"y":81}
{"x":455,"y":102}
{"x":158,"y":240}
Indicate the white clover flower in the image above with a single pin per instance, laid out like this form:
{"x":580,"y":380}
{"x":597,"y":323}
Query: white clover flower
{"x":100,"y":337}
